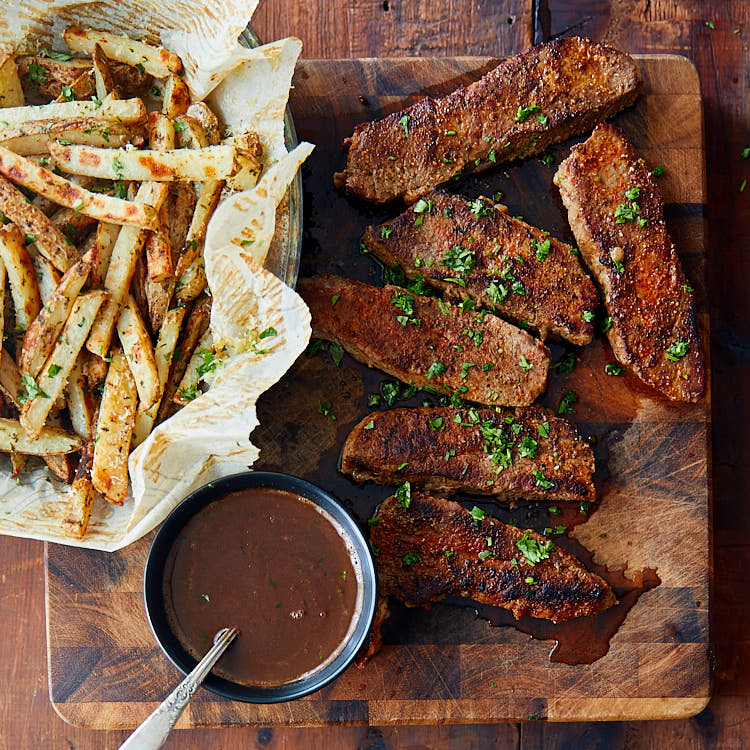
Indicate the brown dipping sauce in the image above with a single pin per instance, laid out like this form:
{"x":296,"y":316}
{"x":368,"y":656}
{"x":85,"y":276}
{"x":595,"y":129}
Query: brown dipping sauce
{"x":273,"y":565}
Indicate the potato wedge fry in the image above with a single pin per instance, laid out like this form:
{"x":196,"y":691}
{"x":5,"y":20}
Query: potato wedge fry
{"x":249,"y":151}
{"x":125,"y":252}
{"x":139,"y":351}
{"x":159,"y":256}
{"x":83,"y":87}
{"x":80,"y":402}
{"x":43,"y":332}
{"x":160,"y":131}
{"x":207,"y":202}
{"x":106,"y":236}
{"x":10,"y":379}
{"x":169,"y":334}
{"x":54,"y":374}
{"x":21,"y":276}
{"x":210,"y":163}
{"x":47,"y":276}
{"x":73,"y":224}
{"x":155,"y":60}
{"x":176,"y":96}
{"x":62,"y":191}
{"x":187,"y":390}
{"x":51,"y":440}
{"x":61,"y":465}
{"x":190,"y":133}
{"x":104,"y":79}
{"x":34,"y":137}
{"x":94,"y":368}
{"x":45,"y":77}
{"x":114,"y":431}
{"x":81,"y":494}
{"x":196,"y":325}
{"x":205,"y":116}
{"x":126,"y":111}
{"x":18,"y":463}
{"x":31,"y":220}
{"x":11,"y":93}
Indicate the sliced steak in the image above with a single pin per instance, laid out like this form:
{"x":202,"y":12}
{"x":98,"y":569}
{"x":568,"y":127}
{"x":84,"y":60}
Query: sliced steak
{"x":617,"y":215}
{"x":519,"y":108}
{"x":435,"y":548}
{"x":471,"y":248}
{"x":427,"y":343}
{"x":510,"y":453}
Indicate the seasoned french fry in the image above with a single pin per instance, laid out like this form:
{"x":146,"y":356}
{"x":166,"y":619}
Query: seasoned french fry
{"x":78,"y":507}
{"x":249,"y":150}
{"x":126,"y":111}
{"x":160,"y":129}
{"x":190,"y":133}
{"x":56,"y":370}
{"x":106,"y":235}
{"x":43,"y":332}
{"x":10,"y":379}
{"x":94,"y":368}
{"x":61,"y":465}
{"x":209,"y":198}
{"x":165,"y":347}
{"x":114,"y":431}
{"x":47,"y":77}
{"x":11,"y":93}
{"x":103,"y":76}
{"x":80,"y":401}
{"x":176,"y":96}
{"x":48,"y":277}
{"x":159,"y":256}
{"x":21,"y":276}
{"x":187,"y":390}
{"x":205,"y":116}
{"x":210,"y":163}
{"x":18,"y":463}
{"x":62,"y":191}
{"x":34,"y":137}
{"x":121,"y":267}
{"x":82,"y":88}
{"x":156,"y":60}
{"x":32,"y":221}
{"x":136,"y":343}
{"x":196,"y":325}
{"x":51,"y":440}
{"x":73,"y":224}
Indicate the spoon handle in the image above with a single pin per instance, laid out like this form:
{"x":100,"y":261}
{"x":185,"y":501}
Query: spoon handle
{"x":152,"y":733}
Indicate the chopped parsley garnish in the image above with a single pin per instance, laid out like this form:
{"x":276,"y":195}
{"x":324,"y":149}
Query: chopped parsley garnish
{"x":209,"y":362}
{"x":30,"y":390}
{"x":711,"y":25}
{"x":405,"y":303}
{"x":547,"y":159}
{"x":465,"y":367}
{"x":566,"y":402}
{"x":530,"y":580}
{"x":633,"y":193}
{"x":270,"y":331}
{"x":606,"y":324}
{"x":140,"y":67}
{"x":370,"y":425}
{"x":542,"y":119}
{"x":459,"y":259}
{"x":411,"y":558}
{"x":518,"y":288}
{"x":528,"y":447}
{"x":373,"y":399}
{"x":118,"y":167}
{"x":59,"y":56}
{"x":403,"y":495}
{"x":373,"y":521}
{"x":180,"y":126}
{"x":497,"y":292}
{"x":657,"y":171}
{"x":612,"y":369}
{"x":588,"y":316}
{"x":120,"y":190}
{"x":484,"y":554}
{"x":619,"y":266}
{"x":542,"y":481}
{"x":423,"y":206}
{"x":189,"y":394}
{"x":543,"y":429}
{"x":487,"y":366}
{"x":477,"y":514}
{"x":386,"y":232}
{"x":37,"y":73}
{"x":565,"y":364}
{"x":525,"y":364}
{"x":404,"y":123}
{"x":337,"y":353}
{"x":745,"y":154}
{"x":324,"y":408}
{"x":436,"y":369}
{"x":534,"y":551}
{"x":480,"y":207}
{"x":541,"y":249}
{"x":78,"y":205}
{"x":677,"y":350}
{"x":53,"y":370}
{"x":554,"y":510}
{"x":155,"y":91}
{"x":391,"y":392}
{"x":626,"y":212}
{"x":67,"y":93}
{"x":524,"y":113}
{"x":402,"y":466}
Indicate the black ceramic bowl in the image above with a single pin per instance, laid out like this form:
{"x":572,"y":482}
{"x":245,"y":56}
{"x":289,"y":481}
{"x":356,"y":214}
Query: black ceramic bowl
{"x":154,"y":578}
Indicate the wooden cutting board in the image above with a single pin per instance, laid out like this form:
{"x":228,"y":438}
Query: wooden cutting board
{"x":444,"y":664}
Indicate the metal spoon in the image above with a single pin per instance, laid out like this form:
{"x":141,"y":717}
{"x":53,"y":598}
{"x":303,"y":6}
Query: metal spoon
{"x":152,"y":733}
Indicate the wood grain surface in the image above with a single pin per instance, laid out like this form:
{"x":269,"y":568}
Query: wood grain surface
{"x":444,"y":665}
{"x":27,"y":719}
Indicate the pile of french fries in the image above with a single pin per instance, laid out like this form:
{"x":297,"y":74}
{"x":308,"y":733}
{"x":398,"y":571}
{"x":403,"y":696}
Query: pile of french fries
{"x":109,"y":174}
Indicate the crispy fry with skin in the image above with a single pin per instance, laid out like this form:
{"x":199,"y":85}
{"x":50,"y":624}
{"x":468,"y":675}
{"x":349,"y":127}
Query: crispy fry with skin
{"x":136,"y":343}
{"x":106,"y":236}
{"x":61,"y":464}
{"x":44,"y":77}
{"x":189,"y":383}
{"x":34,"y":137}
{"x":73,"y":224}
{"x":41,"y":336}
{"x":21,"y":276}
{"x":56,"y":370}
{"x":18,"y":463}
{"x":104,"y":79}
{"x":11,"y":93}
{"x":94,"y":368}
{"x":160,"y":130}
{"x":48,"y":277}
{"x":82,"y":88}
{"x":176,"y":96}
{"x":78,"y":506}
{"x":168,"y":336}
{"x":62,"y":191}
{"x":51,"y":440}
{"x":31,"y":220}
{"x":156,"y":60}
{"x":114,"y":431}
{"x":205,"y":116}
{"x":159,"y":255}
{"x":80,"y":402}
{"x":126,"y":111}
{"x":210,"y":163}
{"x":10,"y":379}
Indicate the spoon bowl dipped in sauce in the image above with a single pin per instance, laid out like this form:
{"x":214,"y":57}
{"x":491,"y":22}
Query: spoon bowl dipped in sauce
{"x":280,"y":558}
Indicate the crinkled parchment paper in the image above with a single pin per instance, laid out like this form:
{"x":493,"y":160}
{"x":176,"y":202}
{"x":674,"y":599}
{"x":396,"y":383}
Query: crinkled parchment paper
{"x":209,"y":437}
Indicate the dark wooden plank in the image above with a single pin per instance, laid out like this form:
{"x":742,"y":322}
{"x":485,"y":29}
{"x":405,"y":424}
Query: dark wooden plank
{"x":652,"y":458}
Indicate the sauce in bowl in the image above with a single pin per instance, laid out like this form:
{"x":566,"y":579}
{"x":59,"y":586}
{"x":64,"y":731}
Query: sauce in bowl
{"x":274,"y":565}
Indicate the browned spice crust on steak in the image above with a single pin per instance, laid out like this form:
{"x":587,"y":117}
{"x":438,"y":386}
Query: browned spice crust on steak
{"x":513,"y":268}
{"x":526,"y":452}
{"x":616,"y":213}
{"x":427,"y":343}
{"x":539,"y":97}
{"x":435,"y":548}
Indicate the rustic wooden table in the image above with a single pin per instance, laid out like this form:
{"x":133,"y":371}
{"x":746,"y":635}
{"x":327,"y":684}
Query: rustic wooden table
{"x":715,"y":34}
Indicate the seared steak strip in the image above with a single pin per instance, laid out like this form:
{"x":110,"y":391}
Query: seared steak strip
{"x":512,"y":453}
{"x":617,"y":215}
{"x":425,"y":342}
{"x":435,"y":548}
{"x":509,"y":266}
{"x":519,"y":108}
